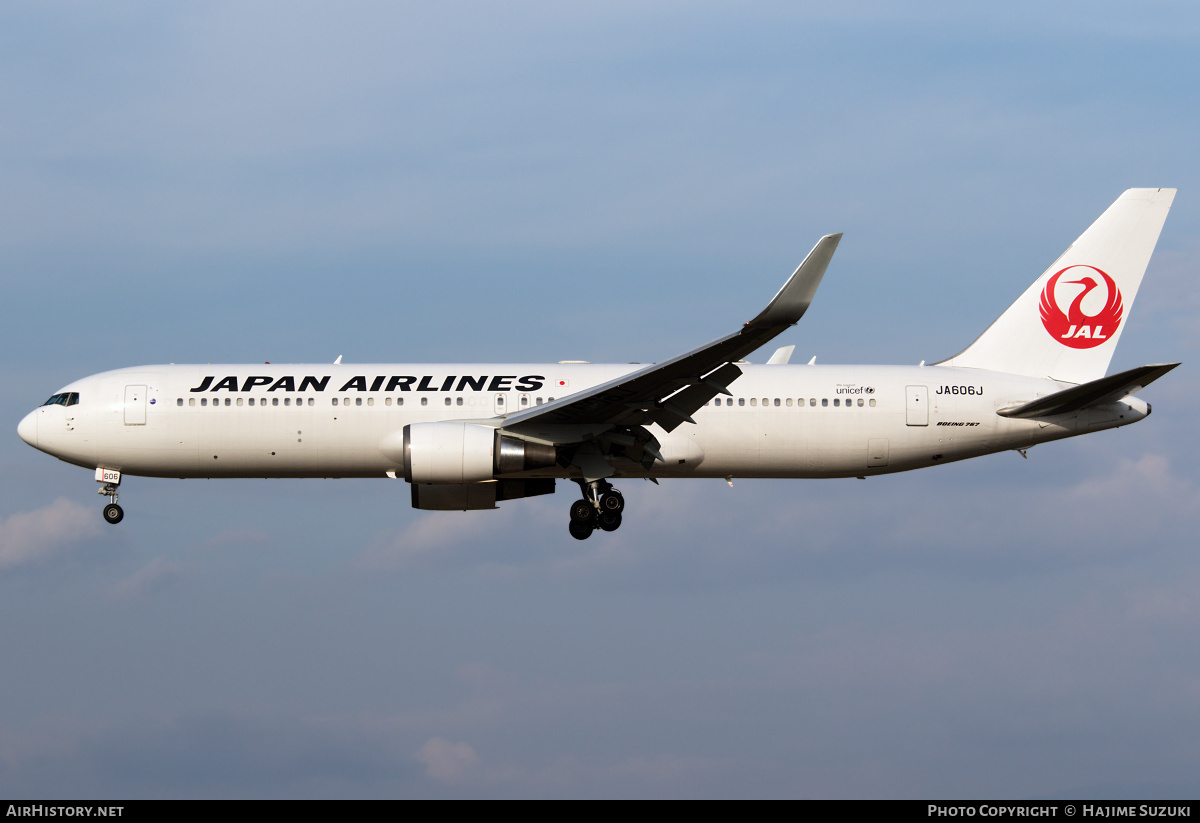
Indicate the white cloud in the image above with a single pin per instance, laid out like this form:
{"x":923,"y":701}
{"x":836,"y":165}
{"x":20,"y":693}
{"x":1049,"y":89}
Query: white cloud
{"x":31,"y":538}
{"x":429,"y":535}
{"x":447,"y":762}
{"x":156,"y":574}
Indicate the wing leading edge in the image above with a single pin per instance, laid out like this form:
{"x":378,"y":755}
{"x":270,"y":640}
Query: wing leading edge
{"x":668,"y":393}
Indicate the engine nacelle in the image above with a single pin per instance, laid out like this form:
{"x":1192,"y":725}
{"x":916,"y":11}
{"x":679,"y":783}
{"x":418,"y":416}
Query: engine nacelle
{"x":446,"y":452}
{"x":450,"y":453}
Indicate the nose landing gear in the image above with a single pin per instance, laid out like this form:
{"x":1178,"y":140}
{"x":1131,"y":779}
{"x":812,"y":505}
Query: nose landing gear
{"x":600,"y":508}
{"x":111,"y":479}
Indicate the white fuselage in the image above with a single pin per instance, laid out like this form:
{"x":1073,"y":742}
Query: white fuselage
{"x":781,"y":421}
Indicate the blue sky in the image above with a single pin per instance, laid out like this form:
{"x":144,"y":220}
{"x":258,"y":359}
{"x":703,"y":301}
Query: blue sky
{"x":227,"y":182}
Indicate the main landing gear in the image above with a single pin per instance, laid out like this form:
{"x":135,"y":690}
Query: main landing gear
{"x":600,"y":508}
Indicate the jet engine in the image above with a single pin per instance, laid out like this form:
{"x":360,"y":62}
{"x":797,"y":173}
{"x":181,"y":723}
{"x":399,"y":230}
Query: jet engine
{"x":449,"y":452}
{"x":446,"y":452}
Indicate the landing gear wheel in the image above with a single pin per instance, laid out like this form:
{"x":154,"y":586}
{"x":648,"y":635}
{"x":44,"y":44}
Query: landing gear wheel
{"x":610,"y":521}
{"x":581,"y":529}
{"x":612,"y":501}
{"x":582,"y":512}
{"x":113,"y":513}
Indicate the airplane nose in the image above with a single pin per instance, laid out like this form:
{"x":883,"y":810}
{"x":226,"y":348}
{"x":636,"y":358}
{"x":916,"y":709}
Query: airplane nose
{"x":27,"y":429}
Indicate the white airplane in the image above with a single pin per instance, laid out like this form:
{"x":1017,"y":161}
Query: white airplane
{"x":465,"y":436}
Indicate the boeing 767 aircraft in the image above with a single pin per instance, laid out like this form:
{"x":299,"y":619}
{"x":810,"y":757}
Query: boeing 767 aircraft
{"x":465,"y":436}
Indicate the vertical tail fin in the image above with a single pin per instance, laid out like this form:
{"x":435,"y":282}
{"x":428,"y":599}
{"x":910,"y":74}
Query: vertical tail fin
{"x":1067,"y":324}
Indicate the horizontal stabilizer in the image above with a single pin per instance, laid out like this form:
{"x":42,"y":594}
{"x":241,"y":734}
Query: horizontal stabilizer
{"x":1104,"y":390}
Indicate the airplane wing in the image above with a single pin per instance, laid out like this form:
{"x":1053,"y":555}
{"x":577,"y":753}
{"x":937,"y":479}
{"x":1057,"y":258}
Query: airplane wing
{"x":668,"y":393}
{"x":1095,"y":392}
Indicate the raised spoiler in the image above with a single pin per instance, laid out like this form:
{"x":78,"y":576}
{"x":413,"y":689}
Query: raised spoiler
{"x":1104,"y":390}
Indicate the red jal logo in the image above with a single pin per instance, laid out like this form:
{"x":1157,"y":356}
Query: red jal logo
{"x":1074,"y":328}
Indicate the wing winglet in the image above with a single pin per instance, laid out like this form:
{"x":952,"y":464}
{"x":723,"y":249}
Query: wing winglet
{"x":781,"y":356}
{"x":689,"y":380}
{"x":790,"y":303}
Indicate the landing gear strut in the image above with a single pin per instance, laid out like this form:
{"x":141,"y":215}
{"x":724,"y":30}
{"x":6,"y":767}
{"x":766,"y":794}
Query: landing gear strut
{"x":600,"y":508}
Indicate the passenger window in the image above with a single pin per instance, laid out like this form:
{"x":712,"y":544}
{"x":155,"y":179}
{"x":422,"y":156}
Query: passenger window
{"x":251,"y":401}
{"x":789,"y":401}
{"x":766,"y":401}
{"x":824,"y":401}
{"x":203,"y":401}
{"x":538,"y":401}
{"x":860,"y":402}
{"x":191,"y":401}
{"x":335,"y":401}
{"x":836,"y":402}
{"x":458,"y":401}
{"x":239,"y":401}
{"x":524,"y":401}
{"x":274,"y":401}
{"x":399,"y":401}
{"x":753,"y":401}
{"x":777,"y":402}
{"x":345,"y":401}
{"x":387,"y":401}
{"x":370,"y":401}
{"x":447,"y":401}
{"x":287,"y":401}
{"x":312,"y":401}
{"x":179,"y":402}
{"x":358,"y":401}
{"x":872,"y":402}
{"x":741,"y":401}
{"x":424,"y":401}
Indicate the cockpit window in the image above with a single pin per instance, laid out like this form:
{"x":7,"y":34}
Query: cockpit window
{"x":64,"y":399}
